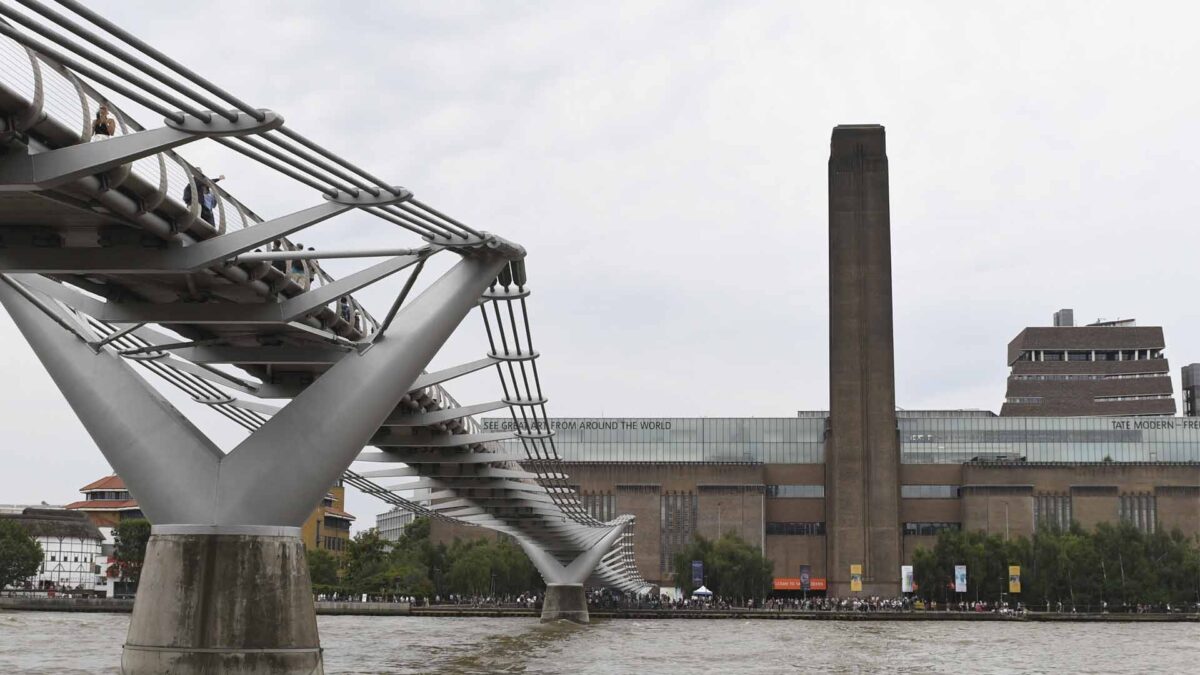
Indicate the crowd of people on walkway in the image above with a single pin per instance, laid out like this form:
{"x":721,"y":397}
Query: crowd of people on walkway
{"x":522,"y":601}
{"x":605,"y":600}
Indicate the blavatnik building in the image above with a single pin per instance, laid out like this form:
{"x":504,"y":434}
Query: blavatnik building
{"x":862,"y":484}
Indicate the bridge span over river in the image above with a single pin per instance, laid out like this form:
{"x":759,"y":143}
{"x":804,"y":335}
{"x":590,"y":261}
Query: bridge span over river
{"x":123,"y":283}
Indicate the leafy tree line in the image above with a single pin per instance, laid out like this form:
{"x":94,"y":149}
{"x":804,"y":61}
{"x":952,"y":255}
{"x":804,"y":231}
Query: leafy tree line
{"x":1116,"y":564}
{"x":733,"y":569}
{"x":20,"y":554}
{"x":415,"y":566}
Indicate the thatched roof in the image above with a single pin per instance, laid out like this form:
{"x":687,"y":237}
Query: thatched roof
{"x":56,"y":523}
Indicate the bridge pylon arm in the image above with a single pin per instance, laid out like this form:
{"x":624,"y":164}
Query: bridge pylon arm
{"x":168,"y":463}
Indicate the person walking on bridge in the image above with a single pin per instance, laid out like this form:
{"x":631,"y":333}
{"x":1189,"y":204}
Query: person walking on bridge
{"x":204,"y":187}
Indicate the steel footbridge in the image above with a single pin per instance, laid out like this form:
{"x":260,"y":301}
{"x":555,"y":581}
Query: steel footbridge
{"x":118,"y":277}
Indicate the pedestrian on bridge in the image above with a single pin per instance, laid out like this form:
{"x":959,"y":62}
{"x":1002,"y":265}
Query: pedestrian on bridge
{"x":104,"y":124}
{"x":204,"y":187}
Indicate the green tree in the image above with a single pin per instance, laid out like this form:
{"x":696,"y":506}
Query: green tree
{"x":20,"y":554}
{"x":987,"y":557}
{"x":366,"y":564}
{"x":1114,"y":565}
{"x":130,"y":538}
{"x":733,"y":568}
{"x":322,"y":568}
{"x":470,"y":568}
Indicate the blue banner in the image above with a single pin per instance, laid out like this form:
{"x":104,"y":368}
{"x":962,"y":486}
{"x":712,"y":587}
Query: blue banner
{"x":805,"y":577}
{"x":697,"y":572}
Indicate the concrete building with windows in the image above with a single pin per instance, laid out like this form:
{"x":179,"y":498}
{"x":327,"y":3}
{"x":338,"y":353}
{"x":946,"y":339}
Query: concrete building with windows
{"x":1190,"y":383}
{"x":766,"y":480}
{"x":1107,"y":368}
{"x":71,"y":553}
{"x":391,"y":524}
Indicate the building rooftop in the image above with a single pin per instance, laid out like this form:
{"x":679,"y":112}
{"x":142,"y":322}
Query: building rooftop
{"x":112,"y":482}
{"x":104,"y":505}
{"x":338,"y":513}
{"x":55,"y":523}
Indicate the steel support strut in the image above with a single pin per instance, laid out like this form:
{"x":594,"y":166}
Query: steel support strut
{"x":276,"y":475}
{"x":52,"y":168}
{"x":168,"y":464}
{"x":565,"y":597}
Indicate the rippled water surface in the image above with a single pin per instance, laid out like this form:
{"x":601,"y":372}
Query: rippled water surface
{"x":35,"y":642}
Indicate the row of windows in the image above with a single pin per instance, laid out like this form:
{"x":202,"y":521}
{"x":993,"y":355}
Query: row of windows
{"x":795,"y":490}
{"x":1059,"y":377}
{"x":929,"y":491}
{"x":1028,"y":400}
{"x":1134,"y":397}
{"x":813,"y":528}
{"x":633,"y":451}
{"x":679,"y":513}
{"x":1141,"y":510}
{"x":337,"y":523}
{"x":927,"y":529}
{"x":333,"y":543}
{"x":602,"y":507}
{"x":1051,"y":510}
{"x":108,"y":495}
{"x":953,"y":440}
{"x":924,"y":440}
{"x":671,"y":429}
{"x":1090,"y":355}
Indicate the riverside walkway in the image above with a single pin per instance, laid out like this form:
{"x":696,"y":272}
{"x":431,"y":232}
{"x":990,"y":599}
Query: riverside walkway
{"x":328,"y":608}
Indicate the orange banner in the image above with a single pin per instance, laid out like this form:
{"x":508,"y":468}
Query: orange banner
{"x":816,"y":584}
{"x":788,"y":584}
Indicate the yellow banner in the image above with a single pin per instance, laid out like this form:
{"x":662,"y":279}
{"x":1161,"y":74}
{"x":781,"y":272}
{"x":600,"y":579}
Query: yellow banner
{"x":856,"y":578}
{"x":1014,"y":578}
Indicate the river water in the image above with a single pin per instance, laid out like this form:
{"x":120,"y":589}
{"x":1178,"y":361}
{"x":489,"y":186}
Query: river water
{"x":75,"y":644}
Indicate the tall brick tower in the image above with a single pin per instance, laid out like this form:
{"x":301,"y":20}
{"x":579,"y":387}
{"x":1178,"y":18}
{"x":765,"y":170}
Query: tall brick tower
{"x":862,"y":454}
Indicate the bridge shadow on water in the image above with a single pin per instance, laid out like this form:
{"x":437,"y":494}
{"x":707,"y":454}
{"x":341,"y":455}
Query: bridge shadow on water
{"x":511,"y":653}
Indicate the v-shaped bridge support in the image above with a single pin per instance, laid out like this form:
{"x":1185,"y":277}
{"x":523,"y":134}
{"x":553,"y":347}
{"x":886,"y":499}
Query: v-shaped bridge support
{"x":272,"y":480}
{"x":565,"y":597}
{"x":225,"y":586}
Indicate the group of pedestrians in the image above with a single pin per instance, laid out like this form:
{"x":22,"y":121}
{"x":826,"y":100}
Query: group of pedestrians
{"x":606,"y":600}
{"x":105,"y":125}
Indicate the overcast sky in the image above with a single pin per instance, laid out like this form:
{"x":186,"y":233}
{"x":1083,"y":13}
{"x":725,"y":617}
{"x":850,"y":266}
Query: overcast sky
{"x":665,"y":166}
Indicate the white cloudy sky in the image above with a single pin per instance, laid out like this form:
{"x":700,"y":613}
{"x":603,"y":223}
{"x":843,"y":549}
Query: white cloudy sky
{"x":665,"y":166}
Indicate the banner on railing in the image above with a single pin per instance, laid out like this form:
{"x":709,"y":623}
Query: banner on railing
{"x":805,"y":577}
{"x":960,"y":578}
{"x":856,"y":578}
{"x":1014,"y":578}
{"x":906,"y":579}
{"x":697,"y":572}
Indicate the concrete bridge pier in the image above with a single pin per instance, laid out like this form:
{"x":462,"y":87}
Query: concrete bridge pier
{"x":223,"y":603}
{"x":565,"y":597}
{"x":565,"y":601}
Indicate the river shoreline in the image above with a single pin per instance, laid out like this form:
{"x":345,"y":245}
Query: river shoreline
{"x":115,"y":606}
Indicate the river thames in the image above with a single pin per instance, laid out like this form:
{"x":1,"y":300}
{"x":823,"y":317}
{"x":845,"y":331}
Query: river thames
{"x":77,"y":644}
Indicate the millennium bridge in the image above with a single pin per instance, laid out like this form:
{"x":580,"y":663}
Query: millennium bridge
{"x":129,"y":271}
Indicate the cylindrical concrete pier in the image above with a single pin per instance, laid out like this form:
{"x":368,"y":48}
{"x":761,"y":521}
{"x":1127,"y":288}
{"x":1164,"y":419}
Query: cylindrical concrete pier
{"x":223,"y":603}
{"x":565,"y":601}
